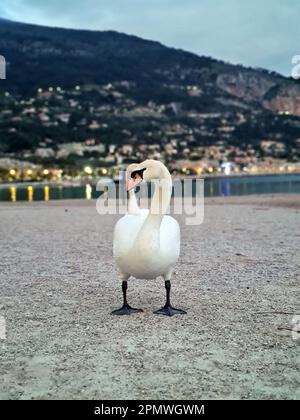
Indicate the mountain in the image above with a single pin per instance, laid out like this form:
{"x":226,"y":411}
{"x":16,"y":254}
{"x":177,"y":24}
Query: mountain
{"x":39,"y":57}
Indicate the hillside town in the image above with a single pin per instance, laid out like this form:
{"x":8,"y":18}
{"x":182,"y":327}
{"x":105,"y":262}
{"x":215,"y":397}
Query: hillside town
{"x":96,"y":130}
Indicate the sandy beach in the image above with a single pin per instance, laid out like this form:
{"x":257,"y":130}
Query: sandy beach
{"x":237,"y":278}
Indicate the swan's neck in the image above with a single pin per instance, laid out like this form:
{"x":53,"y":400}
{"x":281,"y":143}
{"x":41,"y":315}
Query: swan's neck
{"x":133,"y":207}
{"x":149,"y":234}
{"x":162,"y":196}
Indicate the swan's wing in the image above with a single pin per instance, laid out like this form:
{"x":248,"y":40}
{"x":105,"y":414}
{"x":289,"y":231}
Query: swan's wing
{"x":170,"y":238}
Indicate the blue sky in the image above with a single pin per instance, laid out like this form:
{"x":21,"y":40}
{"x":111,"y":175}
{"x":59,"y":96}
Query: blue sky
{"x":258,"y":33}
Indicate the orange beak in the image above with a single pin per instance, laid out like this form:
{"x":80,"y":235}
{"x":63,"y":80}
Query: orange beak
{"x":133,"y":182}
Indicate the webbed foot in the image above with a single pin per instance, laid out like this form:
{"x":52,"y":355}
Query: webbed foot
{"x":126,"y":310}
{"x":169,"y":311}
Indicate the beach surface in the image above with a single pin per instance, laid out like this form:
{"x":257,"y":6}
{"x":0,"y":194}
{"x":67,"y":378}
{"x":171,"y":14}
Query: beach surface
{"x":237,"y":278}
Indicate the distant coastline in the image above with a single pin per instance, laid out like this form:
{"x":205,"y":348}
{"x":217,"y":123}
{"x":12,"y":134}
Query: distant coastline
{"x":94,"y":181}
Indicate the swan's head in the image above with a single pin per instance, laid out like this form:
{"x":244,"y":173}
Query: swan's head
{"x":148,"y":170}
{"x":133,"y":177}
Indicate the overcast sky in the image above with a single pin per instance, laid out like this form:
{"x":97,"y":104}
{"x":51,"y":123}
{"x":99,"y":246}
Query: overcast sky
{"x":259,"y":33}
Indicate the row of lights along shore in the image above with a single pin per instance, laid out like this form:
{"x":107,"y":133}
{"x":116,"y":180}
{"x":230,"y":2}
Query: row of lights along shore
{"x":87,"y":170}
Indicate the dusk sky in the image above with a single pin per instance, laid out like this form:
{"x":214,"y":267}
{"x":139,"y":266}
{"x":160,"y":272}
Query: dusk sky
{"x":254,"y":33}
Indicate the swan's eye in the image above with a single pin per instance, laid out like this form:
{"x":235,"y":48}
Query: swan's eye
{"x":138,"y":173}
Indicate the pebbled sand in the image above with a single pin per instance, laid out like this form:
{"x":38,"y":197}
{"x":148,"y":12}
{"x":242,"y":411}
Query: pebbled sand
{"x":238,"y":278}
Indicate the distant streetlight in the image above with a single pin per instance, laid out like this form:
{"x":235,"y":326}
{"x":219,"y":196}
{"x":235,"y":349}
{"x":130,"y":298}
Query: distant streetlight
{"x":88,"y":170}
{"x":12,"y":172}
{"x":45,"y":172}
{"x":29,"y":171}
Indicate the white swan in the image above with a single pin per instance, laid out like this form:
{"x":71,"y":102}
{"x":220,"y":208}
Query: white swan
{"x":147,"y":242}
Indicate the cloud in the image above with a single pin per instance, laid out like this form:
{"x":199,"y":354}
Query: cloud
{"x":260,"y":34}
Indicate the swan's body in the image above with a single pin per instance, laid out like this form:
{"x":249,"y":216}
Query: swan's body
{"x":151,"y":261}
{"x":147,"y":242}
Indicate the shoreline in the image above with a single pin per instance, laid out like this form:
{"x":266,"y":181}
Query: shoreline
{"x":287,"y":200}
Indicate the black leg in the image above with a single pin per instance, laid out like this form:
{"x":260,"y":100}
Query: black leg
{"x":168,"y":308}
{"x":126,"y":309}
